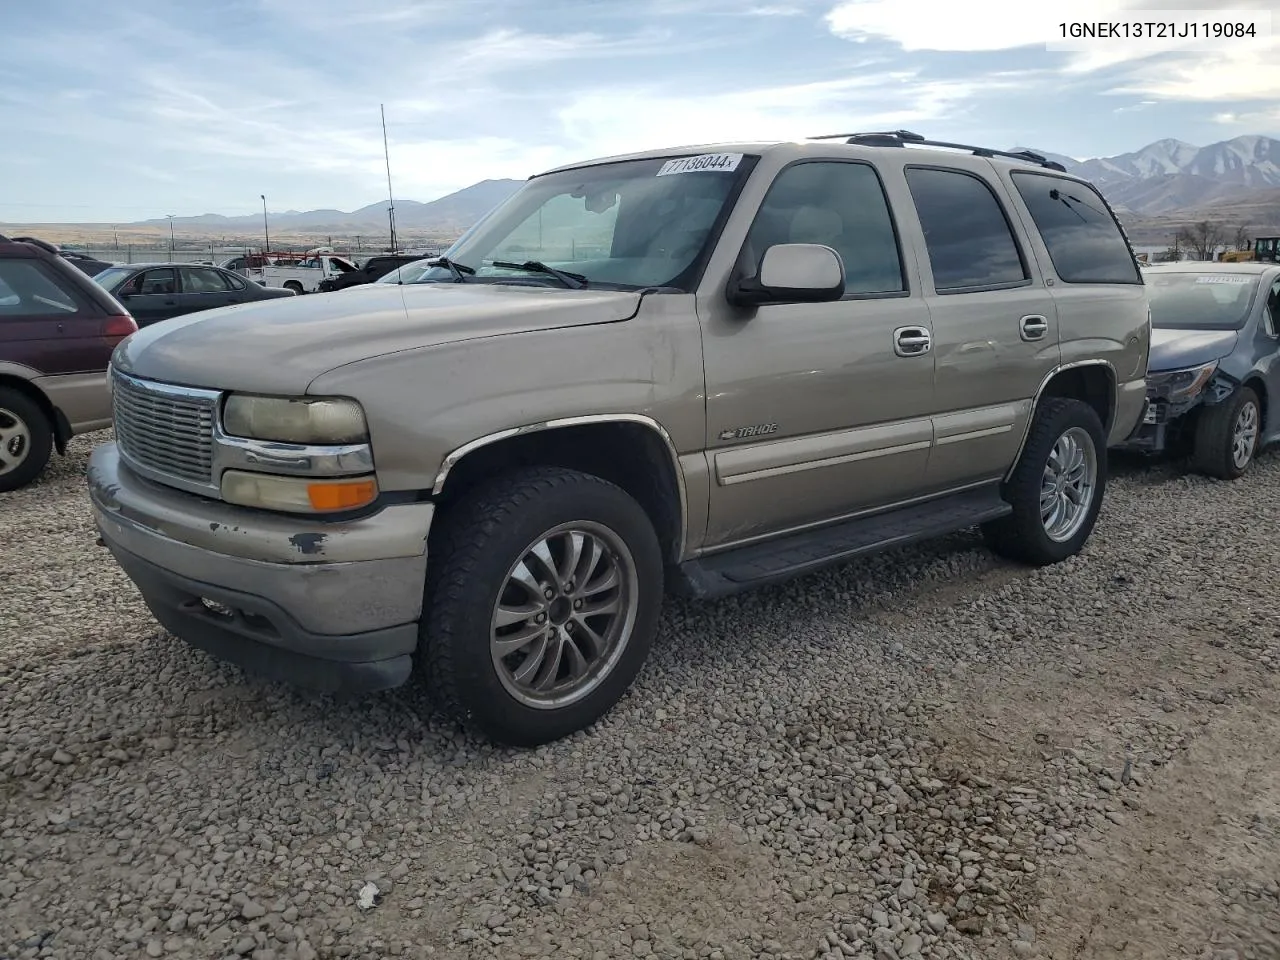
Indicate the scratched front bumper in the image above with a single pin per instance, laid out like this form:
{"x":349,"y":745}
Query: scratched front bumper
{"x":324,"y":605}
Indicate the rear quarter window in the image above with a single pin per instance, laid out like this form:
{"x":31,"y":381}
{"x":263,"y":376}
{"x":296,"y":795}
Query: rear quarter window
{"x":1084,"y":241}
{"x":29,"y":289}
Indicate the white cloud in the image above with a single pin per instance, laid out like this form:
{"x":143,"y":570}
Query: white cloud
{"x":1231,"y":70}
{"x":620,"y":121}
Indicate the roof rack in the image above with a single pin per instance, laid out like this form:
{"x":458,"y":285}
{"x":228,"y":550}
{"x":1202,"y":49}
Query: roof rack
{"x":899,"y":138}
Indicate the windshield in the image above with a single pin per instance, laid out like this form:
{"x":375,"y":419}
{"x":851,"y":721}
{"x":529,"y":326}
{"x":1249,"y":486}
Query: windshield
{"x":409,"y":273}
{"x":112,"y":277}
{"x":1200,"y":301}
{"x":626,"y":225}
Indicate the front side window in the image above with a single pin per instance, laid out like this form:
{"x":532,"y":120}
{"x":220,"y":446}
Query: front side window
{"x":625,"y":225}
{"x":28,"y":290}
{"x":160,"y":282}
{"x":1084,"y":241}
{"x":1200,"y":301}
{"x":970,"y":243}
{"x":839,"y":205}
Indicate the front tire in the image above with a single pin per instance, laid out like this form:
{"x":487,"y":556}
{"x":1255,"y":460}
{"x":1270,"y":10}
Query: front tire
{"x":1056,"y":488}
{"x":542,"y":601}
{"x":26,"y":440}
{"x":1226,"y":439}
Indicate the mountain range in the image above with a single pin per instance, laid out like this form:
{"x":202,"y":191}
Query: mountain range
{"x":1172,"y":177}
{"x":1155,"y":189}
{"x":450,"y":214}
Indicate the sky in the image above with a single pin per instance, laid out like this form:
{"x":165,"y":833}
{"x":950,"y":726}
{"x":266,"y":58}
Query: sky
{"x":137,"y":109}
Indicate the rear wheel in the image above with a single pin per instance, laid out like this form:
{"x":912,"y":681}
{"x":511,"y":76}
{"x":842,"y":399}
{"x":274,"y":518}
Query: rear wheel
{"x":541,"y":604}
{"x":1057,"y":487}
{"x":295,"y":286}
{"x":1226,"y":438}
{"x":26,"y":439}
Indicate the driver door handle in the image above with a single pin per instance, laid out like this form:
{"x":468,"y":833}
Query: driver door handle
{"x":912,"y":341}
{"x":1033,"y":327}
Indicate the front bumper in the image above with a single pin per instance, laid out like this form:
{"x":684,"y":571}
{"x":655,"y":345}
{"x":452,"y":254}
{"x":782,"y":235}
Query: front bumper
{"x":328,"y":606}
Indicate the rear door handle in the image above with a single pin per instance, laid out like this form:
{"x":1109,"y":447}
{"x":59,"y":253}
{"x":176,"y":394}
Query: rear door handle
{"x":911,"y":341}
{"x":1033,"y":327}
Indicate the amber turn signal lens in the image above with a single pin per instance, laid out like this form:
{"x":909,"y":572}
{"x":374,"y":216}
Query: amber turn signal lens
{"x":342,"y":496}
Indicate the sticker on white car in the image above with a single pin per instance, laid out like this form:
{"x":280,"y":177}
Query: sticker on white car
{"x":709,"y":162}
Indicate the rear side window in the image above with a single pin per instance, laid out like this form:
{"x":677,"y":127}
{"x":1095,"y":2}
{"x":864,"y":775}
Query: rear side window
{"x":1084,"y":241}
{"x":29,"y":289}
{"x":840,"y":205}
{"x":203,"y":280}
{"x":971,"y":245}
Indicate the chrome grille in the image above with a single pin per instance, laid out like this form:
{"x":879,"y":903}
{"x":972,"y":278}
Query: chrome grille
{"x":164,"y":430}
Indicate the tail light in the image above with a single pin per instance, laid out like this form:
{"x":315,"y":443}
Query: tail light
{"x":116,"y":328}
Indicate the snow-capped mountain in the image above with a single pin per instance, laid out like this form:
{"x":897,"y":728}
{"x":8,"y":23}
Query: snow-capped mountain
{"x":1171,"y":176}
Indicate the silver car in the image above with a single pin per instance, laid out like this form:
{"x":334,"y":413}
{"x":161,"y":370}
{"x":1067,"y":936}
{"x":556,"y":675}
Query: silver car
{"x":708,"y":369}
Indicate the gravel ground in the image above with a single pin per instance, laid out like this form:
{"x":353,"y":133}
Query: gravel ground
{"x":928,"y":754}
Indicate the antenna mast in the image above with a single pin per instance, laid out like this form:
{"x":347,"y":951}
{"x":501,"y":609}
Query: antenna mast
{"x":391,"y":203}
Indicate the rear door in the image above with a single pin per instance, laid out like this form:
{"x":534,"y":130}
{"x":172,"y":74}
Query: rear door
{"x":203,"y":288}
{"x":46,"y":323}
{"x":995,"y":325}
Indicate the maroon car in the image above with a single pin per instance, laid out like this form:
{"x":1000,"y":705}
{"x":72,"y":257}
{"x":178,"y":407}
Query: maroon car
{"x":57,"y":331}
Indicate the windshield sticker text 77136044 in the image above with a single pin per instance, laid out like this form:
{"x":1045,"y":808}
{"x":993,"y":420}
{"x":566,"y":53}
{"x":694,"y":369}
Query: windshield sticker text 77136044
{"x":708,"y":162}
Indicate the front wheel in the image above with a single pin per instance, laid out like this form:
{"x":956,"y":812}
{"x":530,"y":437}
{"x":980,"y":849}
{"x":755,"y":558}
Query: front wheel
{"x":1227,"y":436}
{"x":541,"y":604}
{"x":1056,"y":488}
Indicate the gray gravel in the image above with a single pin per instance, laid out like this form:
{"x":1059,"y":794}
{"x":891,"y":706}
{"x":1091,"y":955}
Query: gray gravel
{"x":911,"y":756}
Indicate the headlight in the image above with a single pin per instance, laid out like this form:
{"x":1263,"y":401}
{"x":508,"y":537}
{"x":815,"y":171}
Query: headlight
{"x":297,"y":494}
{"x":1181,"y":384}
{"x":290,"y":420}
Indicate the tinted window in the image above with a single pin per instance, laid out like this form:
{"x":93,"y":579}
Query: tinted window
{"x":152,"y":282}
{"x":202,"y":280}
{"x":967,"y":234}
{"x":27,"y":289}
{"x":1084,"y":240}
{"x":234,"y":282}
{"x":839,"y":205}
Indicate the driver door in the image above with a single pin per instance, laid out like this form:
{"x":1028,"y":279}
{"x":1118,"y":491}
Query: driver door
{"x":817,"y":411}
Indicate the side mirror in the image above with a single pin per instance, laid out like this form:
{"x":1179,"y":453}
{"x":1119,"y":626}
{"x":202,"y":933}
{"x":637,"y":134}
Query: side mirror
{"x":792,"y":273}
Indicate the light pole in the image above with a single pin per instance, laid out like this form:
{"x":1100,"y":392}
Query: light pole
{"x":170,"y":216}
{"x":265,"y":232}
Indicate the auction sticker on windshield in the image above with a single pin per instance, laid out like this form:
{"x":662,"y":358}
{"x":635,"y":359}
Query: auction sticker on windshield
{"x":1224,"y":279}
{"x":709,"y":162}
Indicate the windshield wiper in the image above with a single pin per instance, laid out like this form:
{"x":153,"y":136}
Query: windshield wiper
{"x":459,"y":270}
{"x":574,"y":281}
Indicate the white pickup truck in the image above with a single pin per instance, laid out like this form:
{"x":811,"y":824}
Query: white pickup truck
{"x":303,"y":277}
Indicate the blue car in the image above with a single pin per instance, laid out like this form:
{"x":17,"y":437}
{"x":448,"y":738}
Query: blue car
{"x":1213,"y":378}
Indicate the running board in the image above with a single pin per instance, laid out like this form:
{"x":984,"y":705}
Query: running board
{"x":760,"y":564}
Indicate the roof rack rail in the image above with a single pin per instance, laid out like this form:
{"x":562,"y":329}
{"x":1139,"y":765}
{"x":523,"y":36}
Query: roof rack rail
{"x":899,"y":138}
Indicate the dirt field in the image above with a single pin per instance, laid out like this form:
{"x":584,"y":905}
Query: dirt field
{"x":928,"y":754}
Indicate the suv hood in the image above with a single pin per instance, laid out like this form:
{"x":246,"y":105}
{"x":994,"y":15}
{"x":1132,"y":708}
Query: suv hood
{"x":1175,"y":349}
{"x":280,"y":346}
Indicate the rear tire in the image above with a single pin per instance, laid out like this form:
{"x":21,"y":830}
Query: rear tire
{"x":26,"y":439}
{"x":1226,"y":438}
{"x":512,"y":646}
{"x":295,"y":286}
{"x":1056,"y":488}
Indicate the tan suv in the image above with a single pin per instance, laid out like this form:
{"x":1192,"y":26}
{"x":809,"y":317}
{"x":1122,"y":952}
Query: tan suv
{"x":708,"y":369}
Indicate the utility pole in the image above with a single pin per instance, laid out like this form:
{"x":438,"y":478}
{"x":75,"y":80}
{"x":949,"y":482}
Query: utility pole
{"x":170,"y":216}
{"x":391,"y":202}
{"x":266,"y":233}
